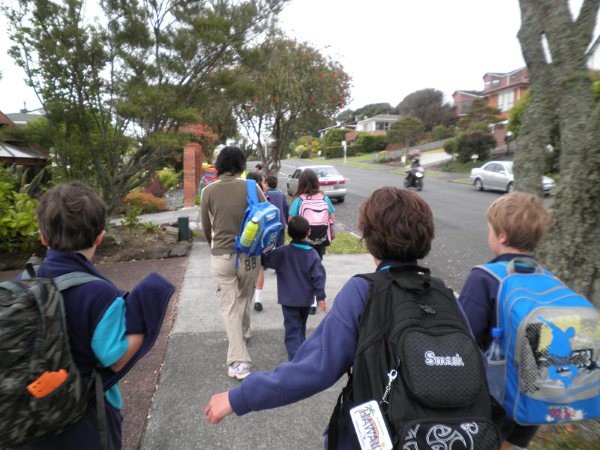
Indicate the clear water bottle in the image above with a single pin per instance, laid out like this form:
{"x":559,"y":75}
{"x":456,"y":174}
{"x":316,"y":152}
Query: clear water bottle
{"x":249,"y":232}
{"x":496,"y":366}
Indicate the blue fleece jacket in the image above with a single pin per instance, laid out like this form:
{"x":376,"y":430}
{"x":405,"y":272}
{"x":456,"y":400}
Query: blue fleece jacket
{"x":324,"y":357}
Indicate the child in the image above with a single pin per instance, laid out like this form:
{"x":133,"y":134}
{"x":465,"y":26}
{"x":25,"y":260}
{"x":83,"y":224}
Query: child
{"x":516,"y":223}
{"x":300,"y":276}
{"x":104,"y":329}
{"x":397,"y":226}
{"x":279,"y":199}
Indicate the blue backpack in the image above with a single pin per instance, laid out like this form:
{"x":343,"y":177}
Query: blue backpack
{"x":269,"y":223}
{"x":551,"y":342}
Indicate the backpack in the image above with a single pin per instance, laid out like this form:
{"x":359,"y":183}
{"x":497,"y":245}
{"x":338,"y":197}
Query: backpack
{"x":269,"y":223}
{"x":315,"y":210}
{"x":551,"y":343}
{"x":416,"y":358}
{"x":41,"y":388}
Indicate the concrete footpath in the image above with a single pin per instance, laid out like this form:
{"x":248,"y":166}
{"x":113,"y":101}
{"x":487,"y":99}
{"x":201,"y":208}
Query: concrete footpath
{"x":194,"y":368}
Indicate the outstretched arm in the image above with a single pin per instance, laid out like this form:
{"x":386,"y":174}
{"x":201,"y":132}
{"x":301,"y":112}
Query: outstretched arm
{"x":218,"y":408}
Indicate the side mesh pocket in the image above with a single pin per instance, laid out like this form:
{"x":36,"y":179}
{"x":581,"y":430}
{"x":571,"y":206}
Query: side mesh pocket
{"x":442,"y":370}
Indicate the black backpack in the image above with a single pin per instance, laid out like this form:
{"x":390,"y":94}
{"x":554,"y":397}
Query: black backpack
{"x":417,"y":359}
{"x":41,"y":389}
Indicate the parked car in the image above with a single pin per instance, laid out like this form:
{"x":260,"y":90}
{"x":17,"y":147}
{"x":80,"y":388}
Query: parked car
{"x":498,"y":175}
{"x":333,"y":183}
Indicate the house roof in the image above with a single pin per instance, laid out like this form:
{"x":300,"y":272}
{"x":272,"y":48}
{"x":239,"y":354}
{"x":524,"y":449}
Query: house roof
{"x":21,"y":119}
{"x":20,"y":155}
{"x":384,"y":117}
{"x":5,"y":120}
{"x":468,"y":92}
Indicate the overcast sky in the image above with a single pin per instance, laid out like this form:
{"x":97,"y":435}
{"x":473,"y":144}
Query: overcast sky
{"x":390,"y":48}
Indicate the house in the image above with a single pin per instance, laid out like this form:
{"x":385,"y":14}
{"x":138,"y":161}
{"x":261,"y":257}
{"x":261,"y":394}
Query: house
{"x":463,"y":100}
{"x":504,"y":90}
{"x":379,"y":123}
{"x":13,"y":154}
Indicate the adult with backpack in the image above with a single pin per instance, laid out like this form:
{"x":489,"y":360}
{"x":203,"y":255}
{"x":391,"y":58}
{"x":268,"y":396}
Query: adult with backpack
{"x":222,"y":207}
{"x":311,"y":203}
{"x":68,"y":334}
{"x":422,"y":385}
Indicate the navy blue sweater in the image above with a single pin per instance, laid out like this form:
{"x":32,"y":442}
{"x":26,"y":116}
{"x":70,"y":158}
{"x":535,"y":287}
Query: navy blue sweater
{"x":300,"y":273}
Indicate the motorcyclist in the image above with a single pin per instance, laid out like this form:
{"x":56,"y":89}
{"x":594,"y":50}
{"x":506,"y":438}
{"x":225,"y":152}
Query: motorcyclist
{"x":415,"y":165}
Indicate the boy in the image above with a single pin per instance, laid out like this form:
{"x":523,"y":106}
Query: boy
{"x":516,"y":223}
{"x":104,"y":329}
{"x":300,"y":276}
{"x":397,"y":226}
{"x":279,"y":199}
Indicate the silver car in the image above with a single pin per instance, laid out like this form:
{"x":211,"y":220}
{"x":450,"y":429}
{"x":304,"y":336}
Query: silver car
{"x":498,"y":175}
{"x":333,"y":183}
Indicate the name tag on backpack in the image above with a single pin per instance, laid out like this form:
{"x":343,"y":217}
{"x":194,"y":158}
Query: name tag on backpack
{"x":370,"y":427}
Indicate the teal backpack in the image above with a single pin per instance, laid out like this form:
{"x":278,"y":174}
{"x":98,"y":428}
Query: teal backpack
{"x":551,"y":343}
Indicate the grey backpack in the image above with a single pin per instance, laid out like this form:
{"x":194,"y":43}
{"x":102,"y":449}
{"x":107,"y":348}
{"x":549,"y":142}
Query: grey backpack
{"x":41,"y":389}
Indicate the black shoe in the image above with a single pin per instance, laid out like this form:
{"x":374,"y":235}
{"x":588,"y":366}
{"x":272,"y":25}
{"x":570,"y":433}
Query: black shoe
{"x":258,"y":306}
{"x":312,"y":310}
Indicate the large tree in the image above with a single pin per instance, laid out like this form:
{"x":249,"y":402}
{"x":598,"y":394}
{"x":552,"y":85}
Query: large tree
{"x":554,"y":45}
{"x":429,"y":106}
{"x":118,"y":88}
{"x":286,"y":89}
{"x":406,"y":131}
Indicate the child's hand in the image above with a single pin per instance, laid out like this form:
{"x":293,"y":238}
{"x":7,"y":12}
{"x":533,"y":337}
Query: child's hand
{"x":322,"y":305}
{"x":218,"y":408}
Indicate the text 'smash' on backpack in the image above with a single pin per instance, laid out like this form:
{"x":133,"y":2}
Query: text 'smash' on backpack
{"x":417,"y":363}
{"x":551,"y":340}
{"x":315,"y":210}
{"x":269,"y":223}
{"x":41,"y":389}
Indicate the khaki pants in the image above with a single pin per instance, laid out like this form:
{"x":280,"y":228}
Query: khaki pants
{"x":234,"y":297}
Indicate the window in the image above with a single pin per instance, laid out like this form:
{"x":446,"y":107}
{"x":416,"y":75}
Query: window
{"x":382,"y":126}
{"x":506,"y":100}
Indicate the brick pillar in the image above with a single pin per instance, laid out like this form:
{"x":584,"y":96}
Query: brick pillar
{"x":192,"y":171}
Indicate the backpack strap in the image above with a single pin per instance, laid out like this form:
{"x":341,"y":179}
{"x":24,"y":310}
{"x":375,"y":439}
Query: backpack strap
{"x":68,"y":280}
{"x":252,"y":196}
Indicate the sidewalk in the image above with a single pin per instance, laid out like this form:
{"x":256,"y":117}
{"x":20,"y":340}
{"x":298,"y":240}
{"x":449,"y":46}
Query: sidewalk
{"x":194,"y":368}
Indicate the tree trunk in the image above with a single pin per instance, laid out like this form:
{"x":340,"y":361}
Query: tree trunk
{"x":562,"y":89}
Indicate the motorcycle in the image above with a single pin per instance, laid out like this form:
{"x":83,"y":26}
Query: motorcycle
{"x":414,"y":178}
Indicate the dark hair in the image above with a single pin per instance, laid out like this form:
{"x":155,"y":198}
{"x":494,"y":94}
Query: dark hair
{"x":256,"y":176}
{"x":258,"y":166}
{"x":298,"y":228}
{"x":308,"y":183}
{"x":71,"y":216}
{"x":396,"y":224}
{"x":231,"y":160}
{"x":271,"y":181}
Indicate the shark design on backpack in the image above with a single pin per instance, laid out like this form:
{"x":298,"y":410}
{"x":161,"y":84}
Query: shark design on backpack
{"x":551,"y":340}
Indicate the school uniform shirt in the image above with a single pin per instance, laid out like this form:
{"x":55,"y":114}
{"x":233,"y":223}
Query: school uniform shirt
{"x":322,"y":359}
{"x":300,"y":273}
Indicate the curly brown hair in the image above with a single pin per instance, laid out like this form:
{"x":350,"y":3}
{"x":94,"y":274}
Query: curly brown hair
{"x":396,"y":224}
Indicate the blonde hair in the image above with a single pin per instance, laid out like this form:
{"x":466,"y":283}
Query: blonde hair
{"x":522,"y":217}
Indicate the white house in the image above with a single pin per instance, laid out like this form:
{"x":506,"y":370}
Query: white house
{"x":380,"y":122}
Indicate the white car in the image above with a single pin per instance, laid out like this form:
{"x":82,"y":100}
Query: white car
{"x":333,"y":183}
{"x":498,"y":175}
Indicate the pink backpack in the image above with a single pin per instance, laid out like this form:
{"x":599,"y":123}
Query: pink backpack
{"x":314,"y":208}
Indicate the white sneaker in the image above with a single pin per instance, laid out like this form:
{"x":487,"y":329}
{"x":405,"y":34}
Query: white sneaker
{"x":239,"y":370}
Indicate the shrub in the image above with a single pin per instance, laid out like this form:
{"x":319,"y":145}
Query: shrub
{"x":371,"y":142}
{"x":154,"y":187}
{"x":18,"y":225}
{"x":474,"y":143}
{"x":146,"y":202}
{"x":168,"y":178}
{"x":334,"y":151}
